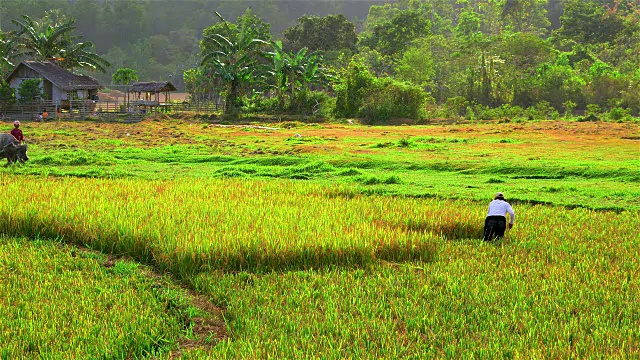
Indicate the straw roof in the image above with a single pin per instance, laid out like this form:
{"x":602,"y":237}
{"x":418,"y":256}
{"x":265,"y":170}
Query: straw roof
{"x":153,"y":87}
{"x":60,"y":77}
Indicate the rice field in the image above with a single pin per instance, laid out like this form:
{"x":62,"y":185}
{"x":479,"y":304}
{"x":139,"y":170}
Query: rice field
{"x":336,"y":241}
{"x":58,"y":303}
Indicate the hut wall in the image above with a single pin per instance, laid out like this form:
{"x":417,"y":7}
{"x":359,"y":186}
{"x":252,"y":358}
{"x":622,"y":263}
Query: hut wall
{"x":14,"y":83}
{"x":47,"y":89}
{"x":58,"y":95}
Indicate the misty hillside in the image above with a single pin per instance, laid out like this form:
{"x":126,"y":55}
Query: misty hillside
{"x":160,"y":38}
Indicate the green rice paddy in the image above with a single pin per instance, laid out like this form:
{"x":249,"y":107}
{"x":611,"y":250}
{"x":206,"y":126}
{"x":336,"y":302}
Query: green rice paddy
{"x":324,"y":240}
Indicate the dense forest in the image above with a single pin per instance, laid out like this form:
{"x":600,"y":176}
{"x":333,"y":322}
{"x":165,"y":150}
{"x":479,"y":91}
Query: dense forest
{"x":372,"y":58}
{"x":160,"y":38}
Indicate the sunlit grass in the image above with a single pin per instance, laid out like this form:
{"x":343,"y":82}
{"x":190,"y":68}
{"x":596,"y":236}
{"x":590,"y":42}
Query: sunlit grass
{"x":527,"y":159}
{"x":58,"y":303}
{"x":187,"y":226}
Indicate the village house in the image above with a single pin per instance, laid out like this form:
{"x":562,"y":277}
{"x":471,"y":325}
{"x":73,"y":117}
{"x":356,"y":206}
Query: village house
{"x":60,"y":86}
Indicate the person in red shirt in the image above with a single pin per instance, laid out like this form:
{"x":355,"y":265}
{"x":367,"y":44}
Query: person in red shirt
{"x":16,"y":132}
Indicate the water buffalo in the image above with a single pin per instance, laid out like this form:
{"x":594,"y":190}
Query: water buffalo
{"x":11,"y":149}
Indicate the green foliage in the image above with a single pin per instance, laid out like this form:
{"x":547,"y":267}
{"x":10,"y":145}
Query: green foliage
{"x":528,"y":16}
{"x":30,"y":90}
{"x":618,"y":113}
{"x":557,"y":84}
{"x":200,"y":84}
{"x":7,"y":94}
{"x":292,"y":74}
{"x":308,"y":102}
{"x":455,"y":106}
{"x":417,"y":65}
{"x":232,"y":60}
{"x":51,"y":39}
{"x":585,"y":22}
{"x":8,"y":52}
{"x":395,"y":34}
{"x":329,"y":33}
{"x":388,"y":99}
{"x":124,"y":76}
{"x":468,"y":24}
{"x":353,"y":83}
{"x":593,"y":110}
{"x":568,"y":106}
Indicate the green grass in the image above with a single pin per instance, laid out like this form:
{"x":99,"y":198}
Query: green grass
{"x":60,"y":303}
{"x":526,"y":158}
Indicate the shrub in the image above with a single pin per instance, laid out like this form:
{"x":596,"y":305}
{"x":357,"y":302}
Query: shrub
{"x":456,"y":106}
{"x":389,"y":98}
{"x":352,"y":86}
{"x":546,"y":111}
{"x":618,"y":113}
{"x":315,"y":103}
{"x":593,"y":110}
{"x":30,"y":89}
{"x":262,"y":104}
{"x":7,"y":95}
{"x":569,"y":106}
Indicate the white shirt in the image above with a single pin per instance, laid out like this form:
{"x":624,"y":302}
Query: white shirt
{"x":501,"y":208}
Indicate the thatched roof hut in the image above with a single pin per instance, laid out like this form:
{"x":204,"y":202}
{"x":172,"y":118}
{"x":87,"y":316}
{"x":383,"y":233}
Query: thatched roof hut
{"x":153,"y":88}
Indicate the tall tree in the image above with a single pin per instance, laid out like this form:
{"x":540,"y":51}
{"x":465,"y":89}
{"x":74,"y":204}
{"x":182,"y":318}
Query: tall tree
{"x":293,"y":71}
{"x":526,"y":16}
{"x":587,"y":22}
{"x":523,"y":53}
{"x":394,"y":35}
{"x":8,"y":51}
{"x":417,"y":65}
{"x":125,"y":76}
{"x":329,"y":33}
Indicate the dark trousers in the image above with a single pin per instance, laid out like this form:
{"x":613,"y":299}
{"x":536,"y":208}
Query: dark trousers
{"x":494,"y":227}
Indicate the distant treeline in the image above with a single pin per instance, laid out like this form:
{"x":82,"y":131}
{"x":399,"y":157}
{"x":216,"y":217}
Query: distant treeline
{"x":469,"y":57}
{"x":159,"y":38}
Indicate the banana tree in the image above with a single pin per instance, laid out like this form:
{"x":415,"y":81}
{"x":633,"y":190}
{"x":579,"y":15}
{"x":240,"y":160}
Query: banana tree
{"x":293,"y":72}
{"x":233,"y":61}
{"x":79,"y":55}
{"x":8,"y":51}
{"x":279,"y":68}
{"x":53,"y":41}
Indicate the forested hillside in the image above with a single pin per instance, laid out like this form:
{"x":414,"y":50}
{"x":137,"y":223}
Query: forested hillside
{"x":159,"y":38}
{"x":374,"y":59}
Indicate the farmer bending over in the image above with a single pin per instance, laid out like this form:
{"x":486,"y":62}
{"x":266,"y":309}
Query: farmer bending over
{"x":496,"y":222}
{"x":16,"y":132}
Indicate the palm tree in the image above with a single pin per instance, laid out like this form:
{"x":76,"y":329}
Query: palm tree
{"x":47,"y":40}
{"x":233,"y":61}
